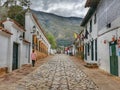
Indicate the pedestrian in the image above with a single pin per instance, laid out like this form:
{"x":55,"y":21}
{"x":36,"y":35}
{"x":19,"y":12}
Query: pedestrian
{"x":33,"y":57}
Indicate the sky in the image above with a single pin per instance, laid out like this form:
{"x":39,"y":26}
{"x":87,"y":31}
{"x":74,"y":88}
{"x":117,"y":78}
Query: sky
{"x":67,"y":8}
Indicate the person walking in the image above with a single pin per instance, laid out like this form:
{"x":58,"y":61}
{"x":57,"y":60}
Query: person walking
{"x":33,"y":57}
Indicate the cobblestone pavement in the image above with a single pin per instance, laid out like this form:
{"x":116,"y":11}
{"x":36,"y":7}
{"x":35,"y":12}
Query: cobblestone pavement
{"x":59,"y":73}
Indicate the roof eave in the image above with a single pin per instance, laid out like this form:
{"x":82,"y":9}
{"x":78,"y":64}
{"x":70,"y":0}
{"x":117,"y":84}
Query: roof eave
{"x":92,"y":3}
{"x":88,"y":16}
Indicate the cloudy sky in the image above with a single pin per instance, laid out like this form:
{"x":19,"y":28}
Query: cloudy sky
{"x":65,"y":8}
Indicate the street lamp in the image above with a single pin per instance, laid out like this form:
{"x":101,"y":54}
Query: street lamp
{"x":34,"y":29}
{"x":21,"y":37}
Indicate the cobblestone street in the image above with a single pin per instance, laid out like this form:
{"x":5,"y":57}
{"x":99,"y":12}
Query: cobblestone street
{"x":60,"y":73}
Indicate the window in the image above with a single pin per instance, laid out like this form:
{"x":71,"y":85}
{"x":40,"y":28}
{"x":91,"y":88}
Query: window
{"x":92,"y":50}
{"x":108,"y":25}
{"x":90,"y":25}
{"x":23,"y":35}
{"x":96,"y":49}
{"x":88,"y":49}
{"x":95,"y":18}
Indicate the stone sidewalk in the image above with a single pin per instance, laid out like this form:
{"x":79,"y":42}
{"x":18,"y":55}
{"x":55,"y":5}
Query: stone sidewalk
{"x":62,"y":72}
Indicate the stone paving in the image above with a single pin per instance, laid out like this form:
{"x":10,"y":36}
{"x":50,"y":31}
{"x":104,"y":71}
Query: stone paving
{"x":59,"y":73}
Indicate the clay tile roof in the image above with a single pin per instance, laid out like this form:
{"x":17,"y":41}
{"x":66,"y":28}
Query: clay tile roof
{"x":93,"y":6}
{"x":18,"y":25}
{"x":88,"y":16}
{"x":5,"y":30}
{"x":21,"y":27}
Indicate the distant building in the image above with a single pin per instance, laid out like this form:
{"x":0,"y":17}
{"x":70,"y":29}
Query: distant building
{"x":79,"y":45}
{"x":102,"y":24}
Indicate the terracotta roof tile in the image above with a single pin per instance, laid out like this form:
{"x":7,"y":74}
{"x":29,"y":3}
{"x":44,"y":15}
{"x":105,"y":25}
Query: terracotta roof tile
{"x":18,"y":25}
{"x":15,"y":22}
{"x":5,"y":30}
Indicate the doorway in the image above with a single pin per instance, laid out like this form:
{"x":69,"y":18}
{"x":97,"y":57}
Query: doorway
{"x":113,"y":58}
{"x":15,"y":56}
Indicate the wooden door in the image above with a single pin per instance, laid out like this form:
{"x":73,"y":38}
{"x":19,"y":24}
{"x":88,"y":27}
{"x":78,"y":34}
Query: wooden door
{"x":15,"y":56}
{"x":113,"y":59}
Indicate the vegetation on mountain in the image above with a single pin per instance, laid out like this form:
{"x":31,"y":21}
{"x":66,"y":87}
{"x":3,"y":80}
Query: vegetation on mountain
{"x":62,"y":28}
{"x":51,"y":40}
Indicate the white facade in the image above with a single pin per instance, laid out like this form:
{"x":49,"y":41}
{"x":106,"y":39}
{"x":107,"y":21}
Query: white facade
{"x":92,"y":37}
{"x":14,"y":51}
{"x":30,"y":22}
{"x":108,"y":14}
{"x":4,"y":47}
{"x":104,"y":49}
{"x":107,"y":32}
{"x":7,"y":46}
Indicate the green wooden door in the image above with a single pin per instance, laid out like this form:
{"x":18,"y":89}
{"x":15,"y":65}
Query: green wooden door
{"x":113,"y":59}
{"x":86,"y":52}
{"x":92,"y":50}
{"x":15,"y":56}
{"x":96,"y":50}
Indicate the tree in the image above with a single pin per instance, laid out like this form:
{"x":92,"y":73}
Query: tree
{"x":14,"y":2}
{"x":51,"y":40}
{"x":12,"y":9}
{"x":3,"y":13}
{"x":17,"y":13}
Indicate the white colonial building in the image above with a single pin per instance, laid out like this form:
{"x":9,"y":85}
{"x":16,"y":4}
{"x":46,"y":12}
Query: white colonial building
{"x":14,"y":51}
{"x":90,"y":36}
{"x":16,"y":43}
{"x":107,"y":14}
{"x":35,"y":34}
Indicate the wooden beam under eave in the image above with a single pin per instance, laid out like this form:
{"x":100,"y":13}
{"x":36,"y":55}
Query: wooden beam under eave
{"x":92,"y":3}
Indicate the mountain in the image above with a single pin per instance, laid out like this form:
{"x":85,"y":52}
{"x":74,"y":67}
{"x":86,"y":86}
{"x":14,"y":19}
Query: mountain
{"x":61,"y":27}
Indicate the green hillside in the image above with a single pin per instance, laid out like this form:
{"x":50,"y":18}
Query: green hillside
{"x":61,"y":27}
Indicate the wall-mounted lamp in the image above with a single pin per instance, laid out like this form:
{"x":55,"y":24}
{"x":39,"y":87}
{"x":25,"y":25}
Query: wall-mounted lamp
{"x":106,"y":41}
{"x":113,"y":38}
{"x":21,"y":37}
{"x":34,"y":29}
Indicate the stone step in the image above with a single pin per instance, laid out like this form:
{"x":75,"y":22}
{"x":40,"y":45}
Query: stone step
{"x":91,"y":65}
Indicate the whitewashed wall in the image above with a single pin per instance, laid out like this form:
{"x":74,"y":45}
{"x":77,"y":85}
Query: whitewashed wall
{"x":4,"y":45}
{"x":103,"y":49}
{"x":29,"y":23}
{"x":25,"y":53}
{"x":16,"y":31}
{"x":93,"y":35}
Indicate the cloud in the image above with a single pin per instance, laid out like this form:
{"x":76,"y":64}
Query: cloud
{"x":65,"y":8}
